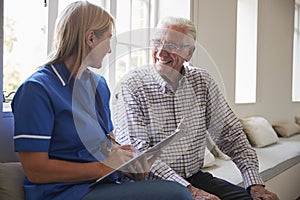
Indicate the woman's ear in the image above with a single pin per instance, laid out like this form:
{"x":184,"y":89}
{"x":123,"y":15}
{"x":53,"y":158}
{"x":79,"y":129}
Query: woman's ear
{"x":89,"y":38}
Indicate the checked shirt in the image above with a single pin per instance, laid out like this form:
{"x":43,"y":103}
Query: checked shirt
{"x":148,"y":110}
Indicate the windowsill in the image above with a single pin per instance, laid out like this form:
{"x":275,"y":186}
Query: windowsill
{"x":6,"y":107}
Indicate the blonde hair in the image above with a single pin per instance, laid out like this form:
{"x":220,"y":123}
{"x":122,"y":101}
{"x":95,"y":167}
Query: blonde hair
{"x":72,"y":25}
{"x":179,"y":21}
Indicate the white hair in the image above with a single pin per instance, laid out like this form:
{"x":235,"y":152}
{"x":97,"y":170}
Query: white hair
{"x":179,"y":21}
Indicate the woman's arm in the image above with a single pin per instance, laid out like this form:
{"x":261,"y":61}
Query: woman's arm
{"x":40,"y":169}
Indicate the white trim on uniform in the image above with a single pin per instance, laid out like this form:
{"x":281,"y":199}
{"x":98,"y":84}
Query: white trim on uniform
{"x":32,"y":136}
{"x":58,"y":75}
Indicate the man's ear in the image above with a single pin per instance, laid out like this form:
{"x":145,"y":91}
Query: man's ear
{"x":89,"y":38}
{"x":154,"y":59}
{"x":190,"y":54}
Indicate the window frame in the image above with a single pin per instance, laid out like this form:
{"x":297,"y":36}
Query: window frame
{"x":52,"y":7}
{"x":2,"y":113}
{"x":112,"y":57}
{"x":296,"y":51}
{"x":51,"y":23}
{"x":246,"y":52}
{"x":111,"y":6}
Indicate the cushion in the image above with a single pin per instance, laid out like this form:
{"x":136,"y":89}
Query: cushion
{"x":259,"y":131}
{"x":297,"y":118}
{"x":11,"y":181}
{"x":209,"y":159}
{"x":286,"y":129}
{"x":214,"y":149}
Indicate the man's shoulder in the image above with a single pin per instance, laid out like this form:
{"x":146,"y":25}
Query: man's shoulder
{"x":138,"y":75}
{"x":139,"y":80}
{"x":196,"y":72}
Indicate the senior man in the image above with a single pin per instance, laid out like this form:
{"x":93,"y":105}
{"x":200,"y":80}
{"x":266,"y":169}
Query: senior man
{"x":153,"y":100}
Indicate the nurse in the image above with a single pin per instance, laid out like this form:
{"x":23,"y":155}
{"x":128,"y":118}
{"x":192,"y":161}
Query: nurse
{"x":63,"y":128}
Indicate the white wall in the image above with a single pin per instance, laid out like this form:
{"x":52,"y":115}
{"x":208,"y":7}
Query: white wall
{"x":216,"y":24}
{"x":163,"y":9}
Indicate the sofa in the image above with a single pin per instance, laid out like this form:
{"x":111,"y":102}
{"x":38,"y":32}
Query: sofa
{"x":11,"y":171}
{"x":279,"y":160}
{"x":279,"y":168}
{"x":278,"y":149}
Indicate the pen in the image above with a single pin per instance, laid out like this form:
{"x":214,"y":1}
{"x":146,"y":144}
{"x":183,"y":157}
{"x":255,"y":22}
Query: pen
{"x":112,"y":139}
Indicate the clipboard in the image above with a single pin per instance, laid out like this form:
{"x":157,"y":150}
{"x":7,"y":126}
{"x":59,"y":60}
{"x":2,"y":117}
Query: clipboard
{"x":149,"y":153}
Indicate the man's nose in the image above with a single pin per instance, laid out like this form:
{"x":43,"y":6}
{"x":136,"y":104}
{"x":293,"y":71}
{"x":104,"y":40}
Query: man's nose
{"x":162,"y":50}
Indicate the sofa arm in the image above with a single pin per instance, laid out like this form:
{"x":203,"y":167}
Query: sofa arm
{"x":11,"y":181}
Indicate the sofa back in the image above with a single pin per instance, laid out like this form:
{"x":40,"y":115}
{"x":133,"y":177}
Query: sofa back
{"x":7,"y":153}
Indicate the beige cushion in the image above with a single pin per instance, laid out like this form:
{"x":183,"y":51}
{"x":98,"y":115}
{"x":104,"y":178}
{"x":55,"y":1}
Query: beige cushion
{"x":259,"y":131}
{"x":209,"y":159}
{"x":11,"y":181}
{"x":297,"y":118}
{"x":286,"y":129}
{"x":214,"y":149}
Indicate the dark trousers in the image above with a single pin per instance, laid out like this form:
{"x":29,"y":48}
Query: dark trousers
{"x":140,"y":190}
{"x":219,"y":187}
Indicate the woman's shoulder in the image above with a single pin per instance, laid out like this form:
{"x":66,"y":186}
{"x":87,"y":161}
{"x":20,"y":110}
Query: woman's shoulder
{"x":42,"y":74}
{"x":43,"y":77}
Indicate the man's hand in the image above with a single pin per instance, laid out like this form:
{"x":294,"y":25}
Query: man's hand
{"x":258,"y":192}
{"x":199,"y":194}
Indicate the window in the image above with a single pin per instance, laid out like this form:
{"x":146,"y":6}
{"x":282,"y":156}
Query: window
{"x":28,"y":36}
{"x":24,"y":46}
{"x":296,"y":56}
{"x":133,"y":20}
{"x":246,"y":51}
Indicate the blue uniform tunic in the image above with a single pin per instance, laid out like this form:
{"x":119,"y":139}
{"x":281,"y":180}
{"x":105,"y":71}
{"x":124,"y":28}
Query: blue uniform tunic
{"x":53,"y":117}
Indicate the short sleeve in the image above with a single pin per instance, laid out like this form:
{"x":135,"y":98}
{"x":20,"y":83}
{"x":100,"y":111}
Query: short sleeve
{"x":33,"y":118}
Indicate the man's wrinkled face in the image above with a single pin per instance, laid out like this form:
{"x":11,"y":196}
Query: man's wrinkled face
{"x":172,"y":47}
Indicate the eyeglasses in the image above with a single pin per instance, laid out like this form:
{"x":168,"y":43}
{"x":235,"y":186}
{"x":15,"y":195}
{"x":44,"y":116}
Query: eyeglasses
{"x":168,"y":46}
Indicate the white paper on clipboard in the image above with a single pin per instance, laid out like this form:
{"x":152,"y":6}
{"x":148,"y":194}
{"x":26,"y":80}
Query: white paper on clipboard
{"x":149,"y":153}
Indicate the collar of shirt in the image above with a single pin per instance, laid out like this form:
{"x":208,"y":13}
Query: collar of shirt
{"x":63,"y":73}
{"x":165,"y":87}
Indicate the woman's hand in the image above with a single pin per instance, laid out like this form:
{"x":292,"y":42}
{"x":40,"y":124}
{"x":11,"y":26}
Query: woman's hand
{"x":119,"y":155}
{"x":136,"y":170}
{"x":139,"y":169}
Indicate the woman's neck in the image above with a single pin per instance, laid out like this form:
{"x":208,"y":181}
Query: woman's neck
{"x":69,"y":62}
